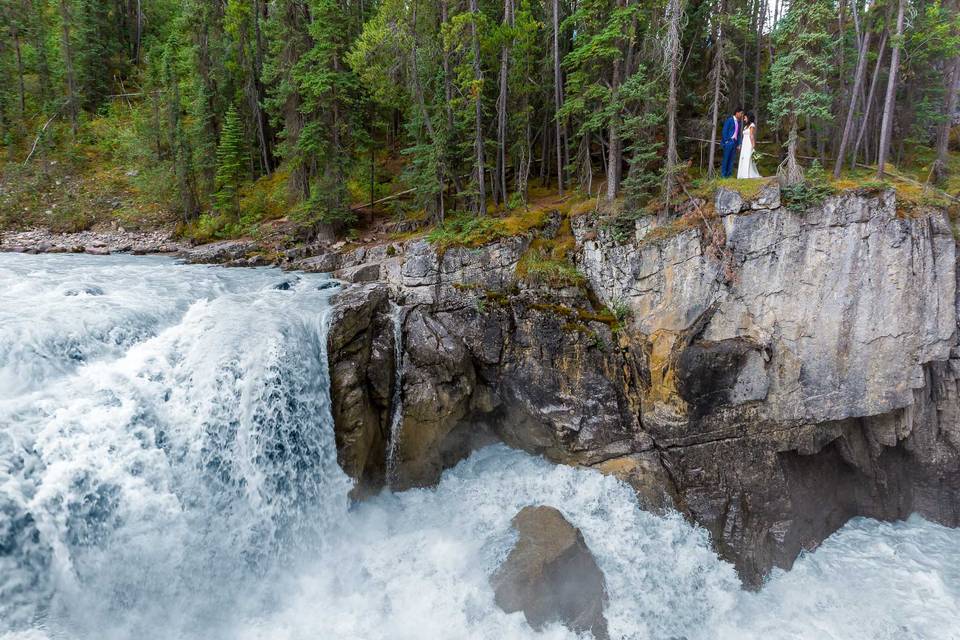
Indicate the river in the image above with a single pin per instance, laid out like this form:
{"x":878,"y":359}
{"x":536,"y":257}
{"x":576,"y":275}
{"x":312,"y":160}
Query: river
{"x":168,"y":470}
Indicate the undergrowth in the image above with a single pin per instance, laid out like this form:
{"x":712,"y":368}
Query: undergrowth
{"x":548,"y":259}
{"x":814,"y":189}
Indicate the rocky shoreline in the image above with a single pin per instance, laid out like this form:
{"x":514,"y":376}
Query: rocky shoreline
{"x":91,"y":242}
{"x":242,"y":252}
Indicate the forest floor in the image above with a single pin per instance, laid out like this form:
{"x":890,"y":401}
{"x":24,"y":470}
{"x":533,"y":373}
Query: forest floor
{"x":105,"y":182}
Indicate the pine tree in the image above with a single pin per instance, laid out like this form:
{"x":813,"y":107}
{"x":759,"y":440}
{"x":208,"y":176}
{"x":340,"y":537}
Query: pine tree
{"x":671,"y":60}
{"x":595,"y":72}
{"x":328,"y":88}
{"x":288,"y":42}
{"x":798,"y":76}
{"x":180,"y":150}
{"x":526,"y":51}
{"x":230,"y":162}
{"x":641,"y":130}
{"x":73,"y":98}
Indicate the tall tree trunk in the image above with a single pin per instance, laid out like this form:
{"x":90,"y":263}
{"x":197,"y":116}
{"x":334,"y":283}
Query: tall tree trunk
{"x":448,"y":95}
{"x":888,"y":106}
{"x":939,"y":170}
{"x":614,"y":150}
{"x":22,"y":102}
{"x":294,"y":18}
{"x":522,"y":176}
{"x":868,"y":104}
{"x":424,"y":113}
{"x":481,"y":206}
{"x":545,"y":150}
{"x":672,"y":51}
{"x":502,"y":105}
{"x":181,"y":153}
{"x":38,"y":38}
{"x":262,"y":121}
{"x":72,"y":104}
{"x":717,"y":73}
{"x":851,"y":110}
{"x":790,"y":169}
{"x":557,"y":91}
{"x":761,"y":19}
{"x":139,"y":32}
{"x":840,"y":96}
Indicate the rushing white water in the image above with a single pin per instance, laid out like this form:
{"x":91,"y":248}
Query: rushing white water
{"x":167,"y":470}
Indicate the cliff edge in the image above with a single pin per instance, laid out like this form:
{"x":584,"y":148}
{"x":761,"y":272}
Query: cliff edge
{"x":769,"y":373}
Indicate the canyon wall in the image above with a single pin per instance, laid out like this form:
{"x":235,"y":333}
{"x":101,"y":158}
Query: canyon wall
{"x":771,"y":373}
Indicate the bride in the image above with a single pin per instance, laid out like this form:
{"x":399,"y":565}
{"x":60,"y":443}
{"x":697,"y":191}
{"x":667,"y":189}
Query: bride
{"x":748,"y":168}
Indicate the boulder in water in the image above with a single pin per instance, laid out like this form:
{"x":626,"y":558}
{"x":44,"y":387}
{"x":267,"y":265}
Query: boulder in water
{"x":286,"y":285}
{"x":551,"y":575}
{"x":91,"y":290}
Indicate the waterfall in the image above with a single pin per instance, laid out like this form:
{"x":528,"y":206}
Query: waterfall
{"x":189,"y":450}
{"x":396,"y":403}
{"x":168,"y":471}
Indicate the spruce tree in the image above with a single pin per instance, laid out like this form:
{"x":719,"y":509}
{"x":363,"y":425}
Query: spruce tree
{"x":230,"y":160}
{"x":799,"y":72}
{"x":595,"y":68}
{"x":327,"y":87}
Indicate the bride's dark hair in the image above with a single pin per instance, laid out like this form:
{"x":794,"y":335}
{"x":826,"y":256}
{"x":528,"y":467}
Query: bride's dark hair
{"x":751,"y":119}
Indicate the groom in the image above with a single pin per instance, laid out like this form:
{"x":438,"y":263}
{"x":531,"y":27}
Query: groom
{"x":730,"y":139}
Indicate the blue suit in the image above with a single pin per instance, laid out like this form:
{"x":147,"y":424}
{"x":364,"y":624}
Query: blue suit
{"x":730,"y":139}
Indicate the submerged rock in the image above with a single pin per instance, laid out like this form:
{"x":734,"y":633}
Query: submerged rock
{"x":91,"y":290}
{"x":286,"y":285}
{"x":551,"y":575}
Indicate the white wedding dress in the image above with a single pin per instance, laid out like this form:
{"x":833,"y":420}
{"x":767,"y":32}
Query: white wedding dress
{"x":747,"y":167}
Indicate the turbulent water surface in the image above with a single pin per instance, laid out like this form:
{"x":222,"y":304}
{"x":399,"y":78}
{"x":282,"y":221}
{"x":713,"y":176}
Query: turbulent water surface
{"x":167,"y":470}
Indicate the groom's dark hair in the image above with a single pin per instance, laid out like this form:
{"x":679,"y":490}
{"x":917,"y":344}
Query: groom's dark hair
{"x":738,"y":110}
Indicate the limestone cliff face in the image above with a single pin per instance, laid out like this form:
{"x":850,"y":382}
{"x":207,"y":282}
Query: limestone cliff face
{"x":803,"y":372}
{"x":817,"y":382}
{"x":844,"y":303}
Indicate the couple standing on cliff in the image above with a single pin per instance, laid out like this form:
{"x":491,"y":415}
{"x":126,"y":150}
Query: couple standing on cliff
{"x":739,"y":132}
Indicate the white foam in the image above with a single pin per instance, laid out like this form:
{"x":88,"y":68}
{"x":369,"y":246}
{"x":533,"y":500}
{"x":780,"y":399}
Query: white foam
{"x":183,"y":484}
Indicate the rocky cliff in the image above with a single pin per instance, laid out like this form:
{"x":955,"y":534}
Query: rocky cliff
{"x":770,"y":373}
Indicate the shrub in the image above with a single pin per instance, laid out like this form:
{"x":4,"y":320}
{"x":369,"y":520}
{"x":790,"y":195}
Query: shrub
{"x":621,"y":310}
{"x":466,"y":229}
{"x":811,"y":192}
{"x":538,"y":265}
